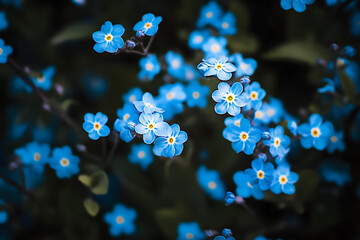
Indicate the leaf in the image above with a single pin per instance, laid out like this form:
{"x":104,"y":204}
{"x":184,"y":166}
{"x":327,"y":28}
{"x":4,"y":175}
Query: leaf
{"x":347,"y":85}
{"x":91,"y":207}
{"x":243,"y":44}
{"x":73,"y":32}
{"x":304,"y":52}
{"x":85,"y":179}
{"x":99,"y":183}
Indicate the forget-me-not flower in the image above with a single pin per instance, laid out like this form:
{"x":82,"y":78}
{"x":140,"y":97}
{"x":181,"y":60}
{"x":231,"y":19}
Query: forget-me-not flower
{"x":95,"y":125}
{"x":109,"y":38}
{"x":148,"y":25}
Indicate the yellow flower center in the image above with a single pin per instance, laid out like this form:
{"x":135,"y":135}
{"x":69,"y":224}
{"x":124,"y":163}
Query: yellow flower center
{"x":189,"y":236}
{"x":218,"y":66}
{"x":254,"y":95}
{"x":96,"y":126}
{"x":277,"y":142}
{"x":132,"y":98}
{"x":334,"y":139}
{"x":170,"y":96}
{"x":260,"y":174}
{"x":196,"y":95}
{"x":198,"y":39}
{"x":237,"y":123}
{"x":171,"y":140}
{"x":283,"y":179}
{"x":120,"y":220}
{"x":209,"y":14}
{"x":244,"y":136}
{"x":215,"y":48}
{"x":1,"y":51}
{"x":315,"y":132}
{"x":151,"y":126}
{"x":243,"y":66}
{"x":64,"y":162}
{"x":37,"y":156}
{"x":41,"y":79}
{"x":108,"y":37}
{"x":230,"y":98}
{"x":225,"y":25}
{"x":141,"y":154}
{"x":148,"y":25}
{"x":212,"y":185}
{"x":258,"y":114}
{"x":149,"y":66}
{"x":126,"y":116}
{"x":340,"y":62}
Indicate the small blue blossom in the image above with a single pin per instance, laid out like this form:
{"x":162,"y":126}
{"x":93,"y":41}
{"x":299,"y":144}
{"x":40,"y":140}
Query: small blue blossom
{"x":171,"y":98}
{"x":190,"y":230}
{"x":64,"y":162}
{"x":261,"y":174}
{"x":197,"y":95}
{"x":243,"y":138}
{"x":211,"y":183}
{"x":219,"y":67}
{"x":126,"y":129}
{"x":198,"y":37}
{"x":5,"y":51}
{"x":298,"y":5}
{"x":34,"y":155}
{"x":336,"y":142}
{"x":95,"y":86}
{"x":244,"y":66}
{"x":215,"y":47}
{"x":79,"y":2}
{"x":229,"y":198}
{"x":256,"y":95}
{"x":150,"y":66}
{"x":141,"y":154}
{"x":109,"y":38}
{"x":233,"y":121}
{"x":45,"y":81}
{"x":209,"y":15}
{"x":147,"y":105}
{"x":3,"y":214}
{"x":330,"y":87}
{"x":224,"y":238}
{"x":284,"y":180}
{"x":172,"y":144}
{"x":148,"y":25}
{"x":354,"y":24}
{"x":190,"y":73}
{"x":292,"y":126}
{"x":134,"y":94}
{"x":229,"y":99}
{"x":175,"y":63}
{"x":128,"y":113}
{"x":278,"y":142}
{"x":121,"y":220}
{"x":151,"y":125}
{"x":244,"y":188}
{"x":335,"y":171}
{"x":315,"y":133}
{"x":227,"y":24}
{"x":3,"y":21}
{"x":95,"y":125}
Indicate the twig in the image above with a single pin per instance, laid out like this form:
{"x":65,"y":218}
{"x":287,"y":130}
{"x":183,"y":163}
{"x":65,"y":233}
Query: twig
{"x":149,"y":44}
{"x":17,"y":186}
{"x":22,"y":176}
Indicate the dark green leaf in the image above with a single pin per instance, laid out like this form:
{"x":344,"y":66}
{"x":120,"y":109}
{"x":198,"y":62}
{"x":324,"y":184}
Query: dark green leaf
{"x":91,"y":207}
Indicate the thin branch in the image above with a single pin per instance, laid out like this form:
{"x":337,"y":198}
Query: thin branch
{"x":16,"y":185}
{"x":149,"y":44}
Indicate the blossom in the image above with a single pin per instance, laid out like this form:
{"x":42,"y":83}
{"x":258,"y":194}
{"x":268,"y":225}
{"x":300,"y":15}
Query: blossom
{"x":3,"y":214}
{"x":148,"y":25}
{"x":172,"y":144}
{"x":245,"y":189}
{"x":244,"y":66}
{"x":278,"y":142}
{"x":95,"y":125}
{"x":151,"y":125}
{"x":243,"y":137}
{"x":147,"y":105}
{"x":190,"y":230}
{"x":44,"y":82}
{"x":336,"y":142}
{"x":34,"y":155}
{"x":284,"y":180}
{"x":141,"y":154}
{"x":196,"y":95}
{"x":5,"y":51}
{"x":233,"y":121}
{"x":175,"y":64}
{"x":109,"y":38}
{"x":330,"y":87}
{"x":134,"y":94}
{"x":211,"y":183}
{"x":298,"y":5}
{"x":197,"y":38}
{"x":209,"y":14}
{"x":261,"y":173}
{"x":219,"y":67}
{"x":64,"y":162}
{"x":335,"y":171}
{"x":256,"y":95}
{"x":215,"y":47}
{"x":3,"y":21}
{"x":229,"y":99}
{"x":150,"y":66}
{"x":227,"y":24}
{"x":171,"y":98}
{"x":121,"y":220}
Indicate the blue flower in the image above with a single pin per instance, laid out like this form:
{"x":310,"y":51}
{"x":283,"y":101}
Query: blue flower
{"x":336,"y":142}
{"x":126,"y":129}
{"x":292,"y":126}
{"x":334,"y":2}
{"x":244,"y":188}
{"x":147,"y":105}
{"x":335,"y":171}
{"x":227,"y":24}
{"x":121,"y":220}
{"x":128,"y":113}
{"x":314,"y":134}
{"x":233,"y":121}
{"x":209,"y":14}
{"x":44,"y":82}
{"x":190,"y":230}
{"x":256,"y":95}
{"x":109,"y":38}
{"x":79,"y":2}
{"x":330,"y":87}
{"x":171,"y":98}
{"x":95,"y":125}
{"x":95,"y":86}
{"x":219,"y":67}
{"x":215,"y":47}
{"x":148,"y":25}
{"x":224,"y":238}
{"x":354,"y":24}
{"x":244,"y":66}
{"x":150,"y":66}
{"x":278,"y":142}
{"x":243,"y":138}
{"x":152,"y":125}
{"x":229,"y":198}
{"x":3,"y":214}
{"x":34,"y":155}
{"x":196,"y":95}
{"x":141,"y":154}
{"x":5,"y":51}
{"x":175,"y":63}
{"x":64,"y":162}
{"x":229,"y":99}
{"x":198,"y":37}
{"x":298,"y":5}
{"x":284,"y":180}
{"x":172,"y":144}
{"x":261,"y":174}
{"x":3,"y":21}
{"x":190,"y":73}
{"x":134,"y":94}
{"x":211,"y":183}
